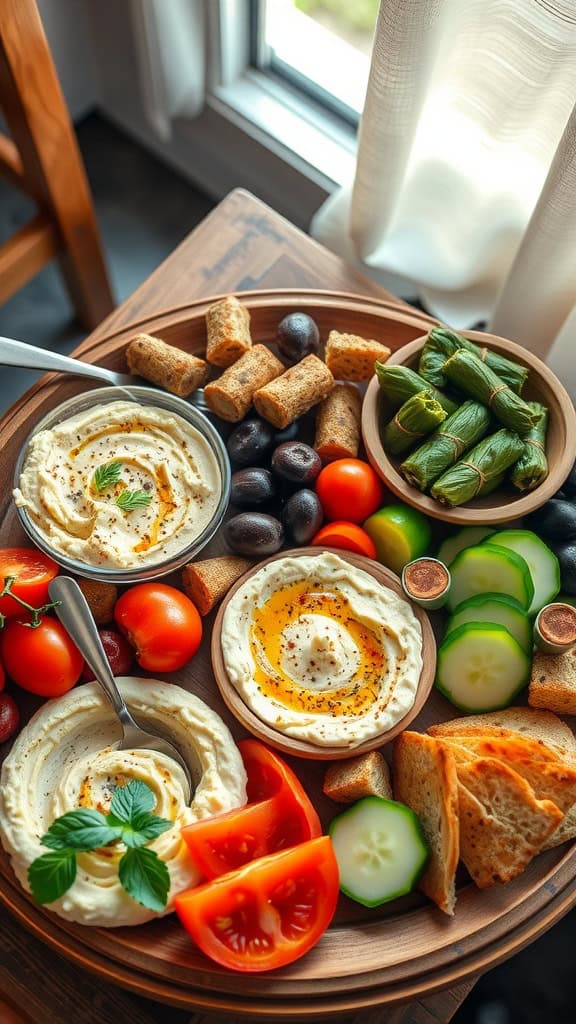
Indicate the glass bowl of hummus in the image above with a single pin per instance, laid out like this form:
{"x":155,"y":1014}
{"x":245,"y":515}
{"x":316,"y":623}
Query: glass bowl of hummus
{"x":122,"y":484}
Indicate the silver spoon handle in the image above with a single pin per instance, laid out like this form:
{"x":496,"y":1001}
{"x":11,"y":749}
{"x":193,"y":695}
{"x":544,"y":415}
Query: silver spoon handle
{"x":17,"y":353}
{"x":76,"y":617}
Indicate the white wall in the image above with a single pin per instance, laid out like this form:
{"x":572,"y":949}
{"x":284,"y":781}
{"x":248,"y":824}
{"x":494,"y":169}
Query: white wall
{"x":69,"y":30}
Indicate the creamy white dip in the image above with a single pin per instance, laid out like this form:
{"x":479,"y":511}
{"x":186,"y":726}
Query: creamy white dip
{"x":159,"y":454}
{"x":64,"y":759}
{"x":321,"y":651}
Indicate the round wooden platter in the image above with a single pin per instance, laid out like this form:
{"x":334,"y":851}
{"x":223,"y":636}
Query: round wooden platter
{"x":367,"y":958}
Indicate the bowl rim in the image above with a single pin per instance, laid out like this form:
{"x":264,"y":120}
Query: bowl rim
{"x":470,"y":514}
{"x":147,"y":396}
{"x":302,"y":748}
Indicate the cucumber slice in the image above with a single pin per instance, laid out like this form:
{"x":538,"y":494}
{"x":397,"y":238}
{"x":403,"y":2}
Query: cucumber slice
{"x":542,"y":562}
{"x":488,"y":569}
{"x":380,"y":849}
{"x":481,"y":667}
{"x":495,"y":608}
{"x":467,"y":537}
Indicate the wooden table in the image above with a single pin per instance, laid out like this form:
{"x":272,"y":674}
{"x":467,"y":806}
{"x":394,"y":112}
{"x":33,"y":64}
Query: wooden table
{"x":241,"y":245}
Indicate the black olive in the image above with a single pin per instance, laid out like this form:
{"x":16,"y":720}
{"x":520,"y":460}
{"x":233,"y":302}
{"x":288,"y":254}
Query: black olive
{"x":302,"y":517}
{"x":296,"y":462}
{"x":250,"y":442}
{"x":566,"y":555}
{"x":297,"y":335}
{"x":555,"y":521}
{"x":254,"y":534}
{"x":252,"y":487}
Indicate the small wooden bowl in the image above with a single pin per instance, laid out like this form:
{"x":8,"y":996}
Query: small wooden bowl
{"x":506,"y":503}
{"x":302,"y":748}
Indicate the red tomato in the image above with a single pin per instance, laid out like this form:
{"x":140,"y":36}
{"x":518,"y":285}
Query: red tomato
{"x":161,"y":623}
{"x":349,"y":489}
{"x":227,"y":841}
{"x":267,"y":914}
{"x":118,"y":651}
{"x":348,"y":536}
{"x":2,"y":676}
{"x":33,"y":571}
{"x":268,"y":775}
{"x":43,"y":660}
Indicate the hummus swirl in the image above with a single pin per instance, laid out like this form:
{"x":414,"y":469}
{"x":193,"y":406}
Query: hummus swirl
{"x":321,"y":651}
{"x":64,"y":759}
{"x":158,"y":455}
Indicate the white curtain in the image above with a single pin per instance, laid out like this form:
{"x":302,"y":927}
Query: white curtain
{"x":465,"y":185}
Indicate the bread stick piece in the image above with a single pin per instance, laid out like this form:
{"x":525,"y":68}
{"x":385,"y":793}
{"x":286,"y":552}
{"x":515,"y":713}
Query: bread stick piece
{"x":350,"y":357}
{"x":287,"y":397}
{"x":207,"y":582}
{"x":227,"y":331}
{"x":338,"y":424}
{"x":169,"y":367}
{"x":230,"y":396}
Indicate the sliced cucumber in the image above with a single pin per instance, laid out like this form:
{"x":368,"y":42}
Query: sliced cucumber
{"x":488,"y":569}
{"x":542,"y":562}
{"x":496,"y":608}
{"x":380,"y":849}
{"x":467,"y":537}
{"x":481,"y":667}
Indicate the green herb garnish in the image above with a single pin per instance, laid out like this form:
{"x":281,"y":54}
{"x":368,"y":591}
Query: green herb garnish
{"x":107,"y":475}
{"x":142,"y":873}
{"x":129,"y":500}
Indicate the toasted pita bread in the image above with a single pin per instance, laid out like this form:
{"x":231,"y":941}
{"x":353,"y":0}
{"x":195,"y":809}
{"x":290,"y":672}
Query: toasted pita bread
{"x":550,"y":779}
{"x":502,"y":824}
{"x":424,"y":778}
{"x":566,"y":830}
{"x":542,"y":726}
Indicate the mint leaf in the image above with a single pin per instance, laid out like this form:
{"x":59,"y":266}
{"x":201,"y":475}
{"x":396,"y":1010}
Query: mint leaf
{"x":51,"y":875}
{"x":130,"y":800}
{"x":84,"y":829}
{"x":107,"y":475}
{"x":129,"y":500}
{"x":145,"y":878}
{"x":144,"y":828}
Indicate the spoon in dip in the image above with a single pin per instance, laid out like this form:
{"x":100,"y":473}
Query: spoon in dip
{"x":77,"y":619}
{"x":18,"y":353}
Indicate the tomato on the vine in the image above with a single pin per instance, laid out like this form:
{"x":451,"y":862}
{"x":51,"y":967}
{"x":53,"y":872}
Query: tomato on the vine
{"x":267,"y":914}
{"x":227,"y":841}
{"x":161,"y":623}
{"x":43,"y":659}
{"x":32,"y":572}
{"x":349,"y":489}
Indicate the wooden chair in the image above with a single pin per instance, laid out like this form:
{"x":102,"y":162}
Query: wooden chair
{"x":42,"y":158}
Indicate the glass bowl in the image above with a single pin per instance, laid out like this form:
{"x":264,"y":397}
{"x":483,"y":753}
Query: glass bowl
{"x":143,"y":396}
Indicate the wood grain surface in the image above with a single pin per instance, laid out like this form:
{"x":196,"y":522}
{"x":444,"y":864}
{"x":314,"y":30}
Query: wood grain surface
{"x":241,"y":245}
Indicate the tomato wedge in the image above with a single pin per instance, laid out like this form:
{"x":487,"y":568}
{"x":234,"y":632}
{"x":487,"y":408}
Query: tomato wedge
{"x":267,"y":914}
{"x":33,"y":571}
{"x":348,"y":536}
{"x":281,"y":817}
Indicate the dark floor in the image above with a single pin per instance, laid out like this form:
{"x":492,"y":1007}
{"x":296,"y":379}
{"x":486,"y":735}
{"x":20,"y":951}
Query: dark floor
{"x":144,"y":210}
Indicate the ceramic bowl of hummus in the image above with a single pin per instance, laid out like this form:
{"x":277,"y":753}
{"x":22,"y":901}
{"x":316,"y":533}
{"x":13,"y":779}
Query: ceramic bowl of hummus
{"x":122,"y":484}
{"x":319,"y":653}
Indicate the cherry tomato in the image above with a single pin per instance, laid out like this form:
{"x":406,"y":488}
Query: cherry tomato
{"x":161,"y":623}
{"x":43,"y":660}
{"x":33,"y":571}
{"x":267,"y":914}
{"x":227,"y":841}
{"x":348,"y":536}
{"x":9,"y":717}
{"x":118,"y":651}
{"x":349,"y":489}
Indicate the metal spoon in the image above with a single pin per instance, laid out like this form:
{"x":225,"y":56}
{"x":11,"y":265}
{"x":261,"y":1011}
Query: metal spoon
{"x":17,"y":353}
{"x":77,"y":619}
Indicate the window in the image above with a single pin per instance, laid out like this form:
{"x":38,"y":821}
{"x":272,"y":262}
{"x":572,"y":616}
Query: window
{"x":319,"y":46}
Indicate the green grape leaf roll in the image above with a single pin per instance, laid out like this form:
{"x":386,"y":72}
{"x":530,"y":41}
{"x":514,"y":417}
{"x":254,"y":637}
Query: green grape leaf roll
{"x":474,"y":474}
{"x":470,"y":375}
{"x":419,"y":416}
{"x":532,"y":466}
{"x":461,"y":431}
{"x":398,"y":383}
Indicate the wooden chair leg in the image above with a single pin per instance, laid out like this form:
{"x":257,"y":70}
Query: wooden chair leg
{"x":39,"y":124}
